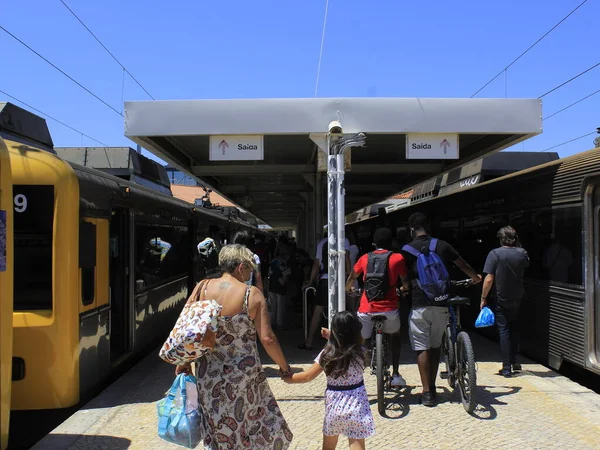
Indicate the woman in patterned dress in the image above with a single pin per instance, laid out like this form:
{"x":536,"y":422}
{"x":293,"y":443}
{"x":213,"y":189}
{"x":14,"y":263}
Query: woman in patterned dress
{"x":233,"y":391}
{"x":347,"y":409}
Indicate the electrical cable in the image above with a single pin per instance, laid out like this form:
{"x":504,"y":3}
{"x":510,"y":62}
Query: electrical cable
{"x":569,"y":141}
{"x":52,"y":118}
{"x":60,"y":70}
{"x":570,"y":79}
{"x":572,"y":104}
{"x":530,"y":47}
{"x":107,"y":50}
{"x":321,"y":51}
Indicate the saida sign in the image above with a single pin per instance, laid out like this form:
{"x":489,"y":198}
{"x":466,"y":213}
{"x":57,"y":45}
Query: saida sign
{"x":431,"y":146}
{"x":236,"y":148}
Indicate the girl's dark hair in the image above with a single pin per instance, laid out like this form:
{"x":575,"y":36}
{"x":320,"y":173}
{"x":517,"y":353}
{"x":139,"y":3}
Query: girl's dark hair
{"x":345,"y":345}
{"x":508,"y":236}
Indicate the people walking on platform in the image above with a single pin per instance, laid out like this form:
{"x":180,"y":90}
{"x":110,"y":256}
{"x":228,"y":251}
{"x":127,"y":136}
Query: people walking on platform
{"x":279,"y":276}
{"x":261,"y":249}
{"x":234,"y":393}
{"x":319,"y":272}
{"x":209,"y":257}
{"x":382,"y":271}
{"x":347,"y":410}
{"x":244,"y":238}
{"x":427,"y":321}
{"x":504,"y":269}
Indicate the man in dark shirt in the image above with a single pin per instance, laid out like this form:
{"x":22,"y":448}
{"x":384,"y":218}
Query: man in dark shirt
{"x":505,"y":267}
{"x":426,"y":321}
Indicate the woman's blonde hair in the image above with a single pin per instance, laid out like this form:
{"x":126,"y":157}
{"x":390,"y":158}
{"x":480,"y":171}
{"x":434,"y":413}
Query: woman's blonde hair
{"x":231,"y":256}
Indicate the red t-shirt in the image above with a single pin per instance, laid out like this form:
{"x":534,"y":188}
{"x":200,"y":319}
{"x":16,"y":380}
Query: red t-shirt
{"x":396,"y":268}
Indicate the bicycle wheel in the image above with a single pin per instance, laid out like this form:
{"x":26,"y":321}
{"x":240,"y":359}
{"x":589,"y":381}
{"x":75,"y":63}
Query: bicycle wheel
{"x":467,"y":376}
{"x":449,"y":357}
{"x":379,"y":364}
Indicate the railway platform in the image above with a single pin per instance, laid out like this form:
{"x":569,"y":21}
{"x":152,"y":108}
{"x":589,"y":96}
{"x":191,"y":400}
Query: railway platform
{"x":537,"y":408}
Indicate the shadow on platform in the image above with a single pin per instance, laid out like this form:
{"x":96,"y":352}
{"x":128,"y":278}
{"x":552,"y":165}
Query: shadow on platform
{"x":64,"y":441}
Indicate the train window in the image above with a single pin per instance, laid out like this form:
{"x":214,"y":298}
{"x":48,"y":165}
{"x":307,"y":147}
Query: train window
{"x":479,"y":237}
{"x":552,"y":239}
{"x":33,"y":224}
{"x":449,"y":231}
{"x":162,"y":254}
{"x":87,"y":261}
{"x":88,"y":285}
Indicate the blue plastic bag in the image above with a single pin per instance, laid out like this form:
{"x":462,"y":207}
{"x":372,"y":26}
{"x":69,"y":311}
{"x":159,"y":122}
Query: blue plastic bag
{"x":180,"y":420}
{"x":485,"y":319}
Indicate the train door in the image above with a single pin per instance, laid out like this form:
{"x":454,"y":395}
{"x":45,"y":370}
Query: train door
{"x":592,"y":245}
{"x":119,"y":283}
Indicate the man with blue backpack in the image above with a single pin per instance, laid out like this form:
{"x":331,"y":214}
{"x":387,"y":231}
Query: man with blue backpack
{"x":426,"y":259}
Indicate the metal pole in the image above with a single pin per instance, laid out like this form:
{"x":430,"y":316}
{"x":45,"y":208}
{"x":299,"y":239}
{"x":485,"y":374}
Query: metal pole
{"x":305,"y":310}
{"x":341,"y":222}
{"x":332,"y":198}
{"x":336,"y":219}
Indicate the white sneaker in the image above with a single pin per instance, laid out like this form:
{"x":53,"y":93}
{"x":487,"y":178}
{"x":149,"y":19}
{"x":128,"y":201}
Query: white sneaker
{"x":398,"y":381}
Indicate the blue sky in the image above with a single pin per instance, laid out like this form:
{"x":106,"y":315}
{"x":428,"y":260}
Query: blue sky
{"x":240,"y":49}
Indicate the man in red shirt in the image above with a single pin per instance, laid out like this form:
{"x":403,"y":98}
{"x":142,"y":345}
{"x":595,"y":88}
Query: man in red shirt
{"x":387,"y":305}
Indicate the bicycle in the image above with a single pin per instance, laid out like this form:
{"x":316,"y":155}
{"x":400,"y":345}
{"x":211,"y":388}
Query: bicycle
{"x":458,"y":352}
{"x":379,"y":358}
{"x":379,"y":362}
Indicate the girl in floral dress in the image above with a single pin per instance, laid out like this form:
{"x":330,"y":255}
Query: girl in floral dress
{"x":347,"y":409}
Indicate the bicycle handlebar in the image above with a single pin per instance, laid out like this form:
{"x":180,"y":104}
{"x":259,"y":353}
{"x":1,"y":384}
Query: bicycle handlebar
{"x":462,"y":283}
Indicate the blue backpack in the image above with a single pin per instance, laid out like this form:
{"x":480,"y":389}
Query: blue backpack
{"x":433,"y":278}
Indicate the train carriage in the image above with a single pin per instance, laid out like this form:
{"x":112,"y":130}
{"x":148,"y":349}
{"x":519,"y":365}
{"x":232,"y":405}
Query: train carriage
{"x":102,"y":267}
{"x":554,"y":208}
{"x":6,"y":289}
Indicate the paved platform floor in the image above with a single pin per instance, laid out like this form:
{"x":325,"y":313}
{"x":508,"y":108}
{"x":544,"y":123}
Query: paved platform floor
{"x":536,"y":409}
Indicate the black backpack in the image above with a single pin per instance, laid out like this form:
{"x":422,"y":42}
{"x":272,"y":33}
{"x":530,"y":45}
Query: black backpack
{"x":377,"y":281}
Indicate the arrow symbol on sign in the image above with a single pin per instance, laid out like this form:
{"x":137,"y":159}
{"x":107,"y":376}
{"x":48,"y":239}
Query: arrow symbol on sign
{"x":223,"y":145}
{"x":445,"y":144}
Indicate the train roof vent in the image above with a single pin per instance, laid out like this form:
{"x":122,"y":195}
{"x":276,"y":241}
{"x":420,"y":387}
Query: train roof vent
{"x":504,"y":163}
{"x":123,"y":162}
{"x":22,"y":123}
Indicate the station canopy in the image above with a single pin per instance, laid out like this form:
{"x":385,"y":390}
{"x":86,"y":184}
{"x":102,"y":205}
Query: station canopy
{"x":264,"y":153}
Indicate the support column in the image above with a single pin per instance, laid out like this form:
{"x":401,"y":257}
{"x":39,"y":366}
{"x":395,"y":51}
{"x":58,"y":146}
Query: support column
{"x":319,"y":207}
{"x":333,"y":198}
{"x":336,"y":219}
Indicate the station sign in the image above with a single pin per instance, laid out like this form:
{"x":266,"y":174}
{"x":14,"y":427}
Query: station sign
{"x":431,"y":146}
{"x":237,"y":147}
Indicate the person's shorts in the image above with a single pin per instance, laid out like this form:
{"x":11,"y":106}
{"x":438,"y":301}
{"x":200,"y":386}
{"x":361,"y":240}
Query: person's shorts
{"x":390,"y":325}
{"x":321,"y":297}
{"x":426,"y":327}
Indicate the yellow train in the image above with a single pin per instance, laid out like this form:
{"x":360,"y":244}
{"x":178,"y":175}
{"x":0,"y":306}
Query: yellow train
{"x":6,"y":290}
{"x":101,"y":267}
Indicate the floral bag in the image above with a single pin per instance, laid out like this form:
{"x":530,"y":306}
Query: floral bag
{"x":193,"y":334}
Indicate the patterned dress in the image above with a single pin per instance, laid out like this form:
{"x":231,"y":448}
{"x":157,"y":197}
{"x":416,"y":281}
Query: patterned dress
{"x":348,"y":412}
{"x":238,"y":404}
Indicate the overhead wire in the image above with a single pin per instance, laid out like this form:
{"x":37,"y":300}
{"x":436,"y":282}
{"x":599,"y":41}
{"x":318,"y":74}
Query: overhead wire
{"x":529,"y":48}
{"x":52,"y":118}
{"x":572,"y":104}
{"x":59,"y":69}
{"x":322,"y":44}
{"x":107,"y":50}
{"x":570,"y":80}
{"x":568,"y":142}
